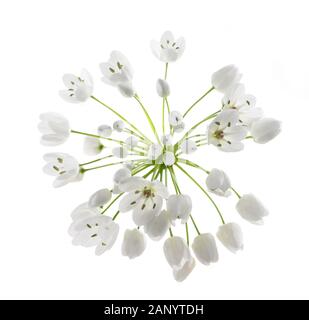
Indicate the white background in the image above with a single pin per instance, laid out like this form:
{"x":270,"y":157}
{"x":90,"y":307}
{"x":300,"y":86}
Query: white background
{"x":41,"y":40}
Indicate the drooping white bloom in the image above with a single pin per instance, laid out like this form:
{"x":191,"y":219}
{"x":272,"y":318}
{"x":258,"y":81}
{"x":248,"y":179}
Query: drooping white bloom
{"x":251,"y":209}
{"x":158,"y":226}
{"x":225,"y":77}
{"x":188,"y":146}
{"x":167,"y":140}
{"x":218,"y":182}
{"x":118,"y":125}
{"x":205,"y":248}
{"x":154,"y":152}
{"x":144,"y":197}
{"x":79,"y":89}
{"x":231,"y":236}
{"x":99,"y":198}
{"x":121,"y":175}
{"x":92,"y":146}
{"x":168,"y":158}
{"x":175,"y":118}
{"x":55,"y":129}
{"x":265,"y":129}
{"x":179,"y":206}
{"x":105,"y":130}
{"x":179,"y":128}
{"x":131,"y":142}
{"x":134,"y":244}
{"x":179,"y":257}
{"x":168,"y":49}
{"x":224,"y":133}
{"x":117,"y":69}
{"x":94,"y":230}
{"x":163,"y":88}
{"x":62,"y":166}
{"x":120,"y":152}
{"x":236,"y":98}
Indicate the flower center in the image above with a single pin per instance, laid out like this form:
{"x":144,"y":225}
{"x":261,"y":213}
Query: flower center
{"x":147,"y":193}
{"x":219,"y":134}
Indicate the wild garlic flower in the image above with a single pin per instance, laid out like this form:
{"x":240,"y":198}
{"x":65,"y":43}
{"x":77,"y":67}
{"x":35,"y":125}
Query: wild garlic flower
{"x":146,"y":173}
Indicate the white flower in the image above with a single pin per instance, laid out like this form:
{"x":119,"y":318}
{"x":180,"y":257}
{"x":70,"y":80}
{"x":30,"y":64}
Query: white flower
{"x":121,"y":175}
{"x":131,"y":142}
{"x":188,"y":146}
{"x":218,"y":182}
{"x":117,"y":71}
{"x":120,"y":152}
{"x":92,"y":146}
{"x":118,"y":125}
{"x":99,"y":198}
{"x":179,"y":206}
{"x":158,"y":226}
{"x":168,"y":158}
{"x":134,"y":244}
{"x":105,"y":130}
{"x":205,"y":248}
{"x":95,"y":230}
{"x":167,"y":140}
{"x":55,"y":129}
{"x":175,"y":118}
{"x":231,"y":236}
{"x":154,"y":152}
{"x":62,"y":166}
{"x":225,"y":77}
{"x":225,"y":134}
{"x":265,"y":129}
{"x":236,"y":99}
{"x":144,"y":197}
{"x":251,"y":209}
{"x":168,"y":49}
{"x":163,"y":88}
{"x":179,"y":257}
{"x":179,"y":128}
{"x":79,"y":89}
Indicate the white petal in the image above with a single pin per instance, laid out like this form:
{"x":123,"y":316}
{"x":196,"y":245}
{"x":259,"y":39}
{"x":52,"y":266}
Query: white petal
{"x":133,"y":184}
{"x":120,"y":152}
{"x":231,"y":237}
{"x":205,"y":248}
{"x":158,"y":226}
{"x":122,"y":174}
{"x":129,"y":201}
{"x":175,"y":118}
{"x":99,"y":198}
{"x":182,"y":273}
{"x":174,"y":250}
{"x":179,"y":207}
{"x":265,"y":129}
{"x":251,"y":209}
{"x":118,"y":125}
{"x":163,"y":88}
{"x":169,"y":158}
{"x":134,"y":244}
{"x":92,"y":146}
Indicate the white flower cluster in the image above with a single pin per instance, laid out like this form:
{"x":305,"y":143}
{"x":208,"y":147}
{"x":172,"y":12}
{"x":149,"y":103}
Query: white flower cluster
{"x":146,"y":184}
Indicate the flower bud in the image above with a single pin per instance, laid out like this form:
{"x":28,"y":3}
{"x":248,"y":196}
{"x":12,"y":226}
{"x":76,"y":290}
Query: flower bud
{"x":265,"y":129}
{"x":163,"y":88}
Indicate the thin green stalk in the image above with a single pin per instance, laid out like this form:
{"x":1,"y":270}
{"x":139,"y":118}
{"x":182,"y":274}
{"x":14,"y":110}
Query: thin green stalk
{"x":195,"y":226}
{"x":203,"y":190}
{"x":197,"y":101}
{"x":96,"y":160}
{"x":121,"y":117}
{"x":106,"y":165}
{"x":142,"y":139}
{"x":192,"y":164}
{"x":237,"y":194}
{"x":187,"y":234}
{"x":169,"y":111}
{"x":111,"y":203}
{"x":165,"y":72}
{"x":152,"y":126}
{"x":163,"y":116}
{"x":97,"y":136}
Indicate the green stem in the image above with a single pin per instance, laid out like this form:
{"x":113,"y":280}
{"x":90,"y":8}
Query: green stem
{"x":121,"y":117}
{"x":107,"y":165}
{"x":111,"y":203}
{"x":195,"y":226}
{"x":187,"y":234}
{"x":163,"y":116}
{"x":169,"y":111}
{"x":192,"y":164}
{"x":152,"y":126}
{"x":165,"y":73}
{"x":97,"y":136}
{"x":237,"y":194}
{"x":203,"y":190}
{"x":197,"y":101}
{"x":96,"y":160}
{"x":142,"y":139}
